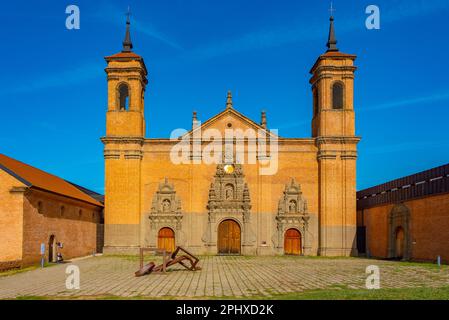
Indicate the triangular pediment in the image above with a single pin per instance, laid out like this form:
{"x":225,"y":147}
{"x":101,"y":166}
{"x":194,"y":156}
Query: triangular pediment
{"x":230,"y":119}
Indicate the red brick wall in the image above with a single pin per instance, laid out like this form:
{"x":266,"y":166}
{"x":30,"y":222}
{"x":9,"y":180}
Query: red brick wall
{"x":11,"y":219}
{"x":78,"y":233}
{"x":429,"y":228}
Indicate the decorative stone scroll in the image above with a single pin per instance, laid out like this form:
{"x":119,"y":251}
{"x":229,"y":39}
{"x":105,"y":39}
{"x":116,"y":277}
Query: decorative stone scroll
{"x":166,"y":208}
{"x":229,"y":198}
{"x":292,"y":214}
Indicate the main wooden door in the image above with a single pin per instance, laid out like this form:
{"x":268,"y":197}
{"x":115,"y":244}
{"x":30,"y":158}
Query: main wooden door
{"x":292,"y":242}
{"x":229,"y":237}
{"x":166,"y":240}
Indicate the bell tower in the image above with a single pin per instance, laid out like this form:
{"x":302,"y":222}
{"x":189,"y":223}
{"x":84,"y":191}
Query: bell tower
{"x":333,"y":91}
{"x":123,"y":147}
{"x":333,"y":127}
{"x":127,"y":80}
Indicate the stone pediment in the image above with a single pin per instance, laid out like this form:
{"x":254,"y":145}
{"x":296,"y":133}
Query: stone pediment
{"x":230,"y":119}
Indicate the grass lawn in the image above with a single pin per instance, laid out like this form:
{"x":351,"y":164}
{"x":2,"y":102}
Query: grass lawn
{"x":329,"y":294}
{"x":31,"y":268}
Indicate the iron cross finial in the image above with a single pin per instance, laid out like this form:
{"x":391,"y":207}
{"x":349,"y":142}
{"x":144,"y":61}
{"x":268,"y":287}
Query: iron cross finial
{"x":128,"y":14}
{"x":331,"y":9}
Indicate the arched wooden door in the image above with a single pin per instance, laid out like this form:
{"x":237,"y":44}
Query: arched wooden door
{"x":400,"y":242}
{"x":166,"y":240}
{"x":292,"y":242}
{"x":229,"y":237}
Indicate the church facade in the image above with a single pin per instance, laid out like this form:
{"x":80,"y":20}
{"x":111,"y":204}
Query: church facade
{"x":307,"y":206}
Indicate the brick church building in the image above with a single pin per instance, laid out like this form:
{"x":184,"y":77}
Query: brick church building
{"x":307,"y":206}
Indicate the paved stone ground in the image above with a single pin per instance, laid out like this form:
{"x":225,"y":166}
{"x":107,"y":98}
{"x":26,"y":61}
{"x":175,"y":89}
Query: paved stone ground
{"x":220,"y":277}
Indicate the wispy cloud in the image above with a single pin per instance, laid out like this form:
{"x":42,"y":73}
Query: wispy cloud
{"x":65,"y":78}
{"x":299,"y":32}
{"x":260,"y":39}
{"x":405,"y":147}
{"x":409,"y":101}
{"x":149,"y":30}
{"x":112,"y":14}
{"x":400,"y":9}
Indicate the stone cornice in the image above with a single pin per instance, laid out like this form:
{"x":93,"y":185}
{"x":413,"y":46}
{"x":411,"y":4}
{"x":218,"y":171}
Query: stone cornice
{"x":327,"y":155}
{"x":111,"y":154}
{"x":334,"y":154}
{"x":349,"y":155}
{"x":123,"y":140}
{"x":337,"y":140}
{"x":133,"y":155}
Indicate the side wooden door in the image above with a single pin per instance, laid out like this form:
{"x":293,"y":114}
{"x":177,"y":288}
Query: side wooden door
{"x":166,"y":240}
{"x":229,"y":237}
{"x":292,"y":242}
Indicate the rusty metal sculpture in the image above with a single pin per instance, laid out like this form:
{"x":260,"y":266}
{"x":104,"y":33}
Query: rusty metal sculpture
{"x":167,"y":262}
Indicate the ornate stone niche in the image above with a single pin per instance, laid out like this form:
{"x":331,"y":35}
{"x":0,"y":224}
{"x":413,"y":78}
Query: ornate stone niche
{"x":229,"y":198}
{"x":166,"y":212}
{"x":292,"y":214}
{"x":399,"y":217}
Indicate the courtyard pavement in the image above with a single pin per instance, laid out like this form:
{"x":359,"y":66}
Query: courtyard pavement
{"x":238,"y":277}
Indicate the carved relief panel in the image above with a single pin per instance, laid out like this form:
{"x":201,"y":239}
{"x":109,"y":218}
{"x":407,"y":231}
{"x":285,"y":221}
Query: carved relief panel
{"x":292,"y":214}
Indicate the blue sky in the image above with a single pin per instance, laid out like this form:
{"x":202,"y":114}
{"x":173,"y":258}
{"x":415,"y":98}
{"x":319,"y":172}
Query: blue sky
{"x":53,"y":86}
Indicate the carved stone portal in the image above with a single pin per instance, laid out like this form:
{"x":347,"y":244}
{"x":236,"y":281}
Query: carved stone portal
{"x":292,"y":214}
{"x":166,"y":212}
{"x":229,"y":199}
{"x":399,"y":240}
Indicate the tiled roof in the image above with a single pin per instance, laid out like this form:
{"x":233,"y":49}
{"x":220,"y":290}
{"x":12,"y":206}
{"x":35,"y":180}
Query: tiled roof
{"x":424,"y":184}
{"x":38,"y":179}
{"x":124,"y":55}
{"x":337,"y":54}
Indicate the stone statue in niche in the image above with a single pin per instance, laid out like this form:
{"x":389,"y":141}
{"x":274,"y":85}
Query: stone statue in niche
{"x":292,"y":213}
{"x":166,"y":205}
{"x":229,"y":192}
{"x":292,"y":206}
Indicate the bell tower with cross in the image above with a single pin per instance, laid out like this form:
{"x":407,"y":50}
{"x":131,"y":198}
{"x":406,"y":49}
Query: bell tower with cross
{"x":333,"y":127}
{"x":127,"y":80}
{"x":123,"y":145}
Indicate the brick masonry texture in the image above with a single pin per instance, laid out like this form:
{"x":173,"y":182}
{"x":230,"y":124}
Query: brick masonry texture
{"x":23,"y":228}
{"x":428,"y":232}
{"x":219,"y":277}
{"x":324,"y":165}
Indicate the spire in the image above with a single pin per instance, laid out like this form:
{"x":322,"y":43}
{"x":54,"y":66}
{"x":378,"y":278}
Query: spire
{"x":195,"y":122}
{"x":264,"y":120}
{"x":229,"y":100}
{"x":332,"y":42}
{"x":127,"y":43}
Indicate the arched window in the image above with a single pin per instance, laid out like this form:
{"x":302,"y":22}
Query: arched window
{"x":80,"y":213}
{"x":337,"y":95}
{"x":62,"y":211}
{"x":123,"y":92}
